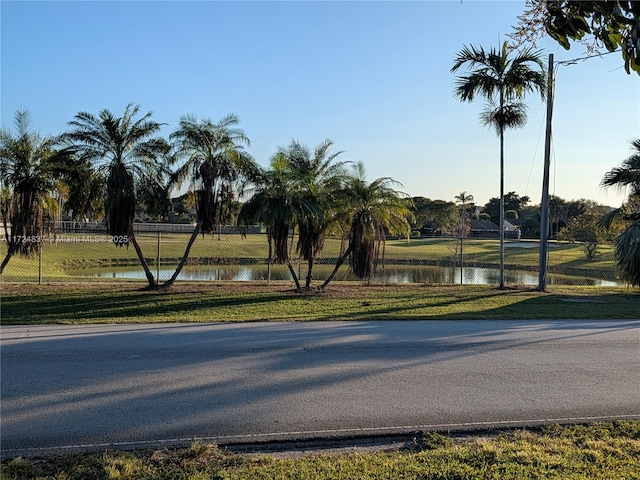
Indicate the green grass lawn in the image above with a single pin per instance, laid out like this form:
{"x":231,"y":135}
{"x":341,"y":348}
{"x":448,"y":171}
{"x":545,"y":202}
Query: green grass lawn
{"x":101,"y":302}
{"x":601,"y":451}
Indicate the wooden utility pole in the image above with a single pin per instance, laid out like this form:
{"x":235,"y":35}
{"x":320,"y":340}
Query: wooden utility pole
{"x":544,"y":203}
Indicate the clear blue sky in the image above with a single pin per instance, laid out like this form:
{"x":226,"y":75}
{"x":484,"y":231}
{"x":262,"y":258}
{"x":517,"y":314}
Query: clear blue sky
{"x":372,"y":76}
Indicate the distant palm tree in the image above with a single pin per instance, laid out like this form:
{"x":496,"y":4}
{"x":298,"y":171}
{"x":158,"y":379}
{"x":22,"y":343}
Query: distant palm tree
{"x":218,"y":168}
{"x":627,"y":244}
{"x":123,"y":150}
{"x":503,"y":80}
{"x":370,"y":211}
{"x":465,"y":202}
{"x":29,"y":170}
{"x":464,"y":198}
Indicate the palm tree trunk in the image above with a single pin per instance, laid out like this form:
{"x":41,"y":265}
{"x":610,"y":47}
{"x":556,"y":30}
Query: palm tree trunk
{"x":307,"y":284}
{"x":501,"y":207}
{"x":335,"y":270}
{"x":10,"y":253}
{"x":11,"y":245}
{"x":294,"y":275}
{"x":147,"y":271}
{"x":183,"y":260}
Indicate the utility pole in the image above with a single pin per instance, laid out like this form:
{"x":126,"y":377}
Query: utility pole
{"x":544,"y":204}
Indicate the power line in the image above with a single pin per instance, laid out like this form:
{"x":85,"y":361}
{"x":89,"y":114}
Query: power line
{"x":574,"y":61}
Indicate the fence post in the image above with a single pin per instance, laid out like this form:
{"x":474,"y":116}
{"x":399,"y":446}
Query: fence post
{"x":269,"y":272}
{"x":158,"y":258}
{"x":40,"y":263}
{"x":461,"y":260}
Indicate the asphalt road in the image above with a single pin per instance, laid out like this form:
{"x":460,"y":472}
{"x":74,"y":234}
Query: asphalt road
{"x":92,"y":387}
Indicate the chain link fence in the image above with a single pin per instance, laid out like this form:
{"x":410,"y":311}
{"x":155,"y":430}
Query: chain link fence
{"x":83,"y":252}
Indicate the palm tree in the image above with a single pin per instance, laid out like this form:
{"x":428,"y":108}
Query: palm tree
{"x":124,"y":151}
{"x":371,"y":210}
{"x":503,"y":81}
{"x":279,"y":204}
{"x":29,"y":170}
{"x":218,"y":168}
{"x":464,"y":198}
{"x":465,"y":202}
{"x":627,"y":244}
{"x":317,"y":178}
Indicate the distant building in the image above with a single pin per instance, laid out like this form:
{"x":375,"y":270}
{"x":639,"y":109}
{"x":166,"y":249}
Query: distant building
{"x":488,"y":229}
{"x":484,"y":229}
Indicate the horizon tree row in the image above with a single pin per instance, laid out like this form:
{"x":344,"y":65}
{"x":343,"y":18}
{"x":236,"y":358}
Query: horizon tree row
{"x":440,"y":217}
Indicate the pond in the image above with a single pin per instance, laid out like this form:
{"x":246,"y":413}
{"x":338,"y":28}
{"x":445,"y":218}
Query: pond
{"x":393,"y":274}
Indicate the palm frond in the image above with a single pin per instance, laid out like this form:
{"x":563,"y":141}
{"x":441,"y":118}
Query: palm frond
{"x":609,"y":219}
{"x":627,"y":174}
{"x":627,"y":254}
{"x":497,"y":73}
{"x":509,"y":116}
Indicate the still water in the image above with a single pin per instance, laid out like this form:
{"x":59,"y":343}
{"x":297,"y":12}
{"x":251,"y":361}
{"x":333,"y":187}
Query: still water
{"x":388,"y":275}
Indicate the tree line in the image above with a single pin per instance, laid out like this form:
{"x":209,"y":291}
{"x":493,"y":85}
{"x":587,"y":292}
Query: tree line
{"x":107,"y":166}
{"x":441,"y":217}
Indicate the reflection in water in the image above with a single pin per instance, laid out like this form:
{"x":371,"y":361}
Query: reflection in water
{"x":390,"y":275}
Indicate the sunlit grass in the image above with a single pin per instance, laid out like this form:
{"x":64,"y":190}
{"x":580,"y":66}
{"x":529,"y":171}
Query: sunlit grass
{"x":242,"y":301}
{"x":601,"y":451}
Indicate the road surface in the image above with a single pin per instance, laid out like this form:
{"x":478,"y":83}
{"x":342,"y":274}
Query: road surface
{"x":123,"y":386}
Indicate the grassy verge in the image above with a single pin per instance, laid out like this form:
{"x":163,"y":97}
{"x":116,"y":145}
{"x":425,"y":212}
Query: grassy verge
{"x":596,"y":451}
{"x":240,"y":301}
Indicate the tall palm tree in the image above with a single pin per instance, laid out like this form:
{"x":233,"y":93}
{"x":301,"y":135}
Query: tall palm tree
{"x":317,"y":178}
{"x":29,"y":169}
{"x":627,"y":244}
{"x":370,"y":210}
{"x":123,"y":150}
{"x":218,"y":168}
{"x":503,"y":80}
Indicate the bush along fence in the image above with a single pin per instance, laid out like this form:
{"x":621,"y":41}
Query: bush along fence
{"x":84,"y":252}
